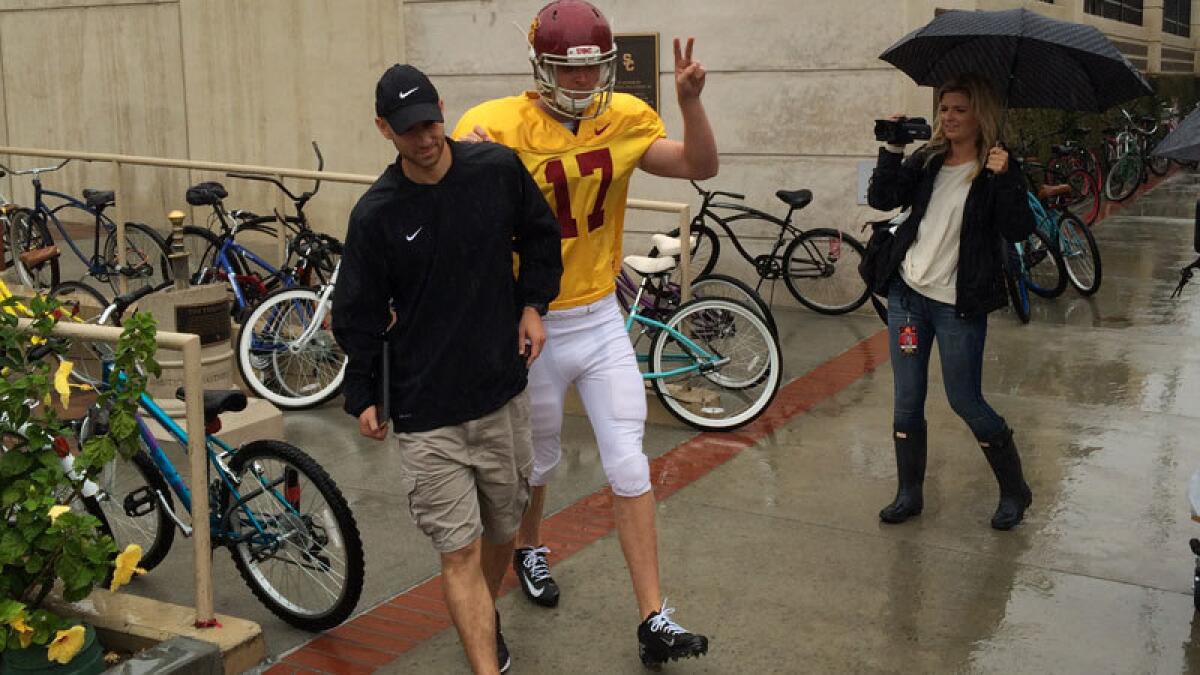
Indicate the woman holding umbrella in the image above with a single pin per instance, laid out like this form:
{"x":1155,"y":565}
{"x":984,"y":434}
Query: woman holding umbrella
{"x":945,"y":276}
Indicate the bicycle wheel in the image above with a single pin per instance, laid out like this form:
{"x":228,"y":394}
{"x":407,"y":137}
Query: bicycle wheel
{"x":276,"y":365}
{"x":27,"y":232}
{"x":1084,"y":200}
{"x":1123,"y":178}
{"x":724,"y":286}
{"x":81,"y":300}
{"x":144,"y":260}
{"x":201,"y":246}
{"x":718,"y":367}
{"x":1014,"y":281}
{"x":822,"y":271}
{"x":1045,"y":273}
{"x":1080,"y":254}
{"x":129,"y":500}
{"x":293,"y":536}
{"x":704,"y":253}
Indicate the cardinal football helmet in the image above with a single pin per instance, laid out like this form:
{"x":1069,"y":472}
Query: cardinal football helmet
{"x":572,"y":33}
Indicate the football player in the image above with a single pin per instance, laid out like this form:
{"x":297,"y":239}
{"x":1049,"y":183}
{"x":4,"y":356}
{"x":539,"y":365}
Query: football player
{"x":582,"y":142}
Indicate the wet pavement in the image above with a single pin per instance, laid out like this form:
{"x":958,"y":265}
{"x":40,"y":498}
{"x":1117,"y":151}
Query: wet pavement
{"x":774,"y":548}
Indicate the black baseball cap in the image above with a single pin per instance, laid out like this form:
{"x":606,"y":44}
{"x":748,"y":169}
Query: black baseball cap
{"x":405,"y":97}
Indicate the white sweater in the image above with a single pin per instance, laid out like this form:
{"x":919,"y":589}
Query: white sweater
{"x":930,"y":266}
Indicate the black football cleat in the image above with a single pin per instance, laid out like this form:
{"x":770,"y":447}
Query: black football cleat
{"x":662,"y":640}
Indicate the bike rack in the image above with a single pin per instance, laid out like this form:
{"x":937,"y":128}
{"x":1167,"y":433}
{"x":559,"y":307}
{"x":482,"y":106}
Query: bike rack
{"x":118,"y":161}
{"x":193,"y":387}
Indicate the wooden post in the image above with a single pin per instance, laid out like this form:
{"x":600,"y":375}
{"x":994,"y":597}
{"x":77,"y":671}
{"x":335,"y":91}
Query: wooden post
{"x":193,"y":386}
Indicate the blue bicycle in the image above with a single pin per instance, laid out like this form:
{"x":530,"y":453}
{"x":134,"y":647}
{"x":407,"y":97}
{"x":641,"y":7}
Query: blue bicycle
{"x":143,"y":262}
{"x":290,"y":531}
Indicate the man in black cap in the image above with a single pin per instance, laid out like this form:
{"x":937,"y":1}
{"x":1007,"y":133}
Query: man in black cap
{"x":434,"y":240}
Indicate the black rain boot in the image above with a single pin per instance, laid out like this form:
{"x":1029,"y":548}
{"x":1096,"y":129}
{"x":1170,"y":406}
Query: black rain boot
{"x":910,"y":474}
{"x":1015,"y":495}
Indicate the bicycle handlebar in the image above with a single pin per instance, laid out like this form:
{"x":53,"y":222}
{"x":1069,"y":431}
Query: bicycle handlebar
{"x":44,"y":169}
{"x":122,"y":302}
{"x":709,"y":194}
{"x":305,"y":196}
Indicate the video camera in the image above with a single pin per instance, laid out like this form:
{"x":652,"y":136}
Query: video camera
{"x":902,"y":131}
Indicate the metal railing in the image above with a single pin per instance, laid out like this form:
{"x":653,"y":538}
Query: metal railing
{"x":119,"y":161}
{"x":193,"y":387}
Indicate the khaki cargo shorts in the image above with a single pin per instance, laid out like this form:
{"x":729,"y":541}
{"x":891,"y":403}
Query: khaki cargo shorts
{"x":470,"y":479}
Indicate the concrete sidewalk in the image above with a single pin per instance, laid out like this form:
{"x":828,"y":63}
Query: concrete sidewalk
{"x":770,"y":542}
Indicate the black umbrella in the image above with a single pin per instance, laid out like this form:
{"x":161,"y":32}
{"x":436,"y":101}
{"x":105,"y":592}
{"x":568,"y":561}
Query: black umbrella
{"x":1035,"y":61}
{"x":1182,"y":144}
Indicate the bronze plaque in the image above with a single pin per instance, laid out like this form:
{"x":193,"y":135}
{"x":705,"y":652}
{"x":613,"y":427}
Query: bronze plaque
{"x":210,"y":321}
{"x":637,"y":66}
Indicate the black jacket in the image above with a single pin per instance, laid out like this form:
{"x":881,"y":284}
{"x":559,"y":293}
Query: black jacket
{"x":899,"y":182}
{"x":442,"y":256}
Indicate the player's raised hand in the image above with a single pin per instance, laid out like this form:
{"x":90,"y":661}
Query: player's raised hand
{"x":689,"y":74}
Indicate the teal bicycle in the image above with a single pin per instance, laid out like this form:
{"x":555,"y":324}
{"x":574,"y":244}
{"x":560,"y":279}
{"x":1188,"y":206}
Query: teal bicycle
{"x":286,"y":524}
{"x":714,"y":363}
{"x":1076,"y":245}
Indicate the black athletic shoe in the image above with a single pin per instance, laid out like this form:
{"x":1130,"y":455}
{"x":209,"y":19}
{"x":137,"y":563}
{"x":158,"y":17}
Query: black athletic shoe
{"x":663,"y":640}
{"x":501,"y":648}
{"x":534,"y":575}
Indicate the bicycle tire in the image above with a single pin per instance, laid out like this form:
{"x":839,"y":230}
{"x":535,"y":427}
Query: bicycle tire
{"x":1080,"y":254}
{"x":289,"y":511}
{"x":697,"y":318}
{"x":1014,"y":282}
{"x":1045,"y":273}
{"x":725,"y":286}
{"x":704,"y":254}
{"x":1123,"y":178}
{"x":86,"y":355}
{"x":1085,"y":198}
{"x":269,"y":374}
{"x":142,"y":246}
{"x":851,"y":290}
{"x":120,"y":491}
{"x":28,"y":232}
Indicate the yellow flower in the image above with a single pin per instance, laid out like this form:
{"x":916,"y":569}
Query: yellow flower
{"x":126,"y":566}
{"x":62,"y":382}
{"x":66,"y":644}
{"x":37,"y":340}
{"x":56,"y":511}
{"x":24,"y":632}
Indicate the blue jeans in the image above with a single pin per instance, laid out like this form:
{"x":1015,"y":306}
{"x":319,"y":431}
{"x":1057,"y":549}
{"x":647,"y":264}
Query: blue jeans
{"x":960,"y":347}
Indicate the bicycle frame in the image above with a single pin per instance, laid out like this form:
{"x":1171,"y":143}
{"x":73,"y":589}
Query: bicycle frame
{"x":94,"y":264}
{"x":700,"y":359}
{"x":746,"y":213}
{"x":225,"y":263}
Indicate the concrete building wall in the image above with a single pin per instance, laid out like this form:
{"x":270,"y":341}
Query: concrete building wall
{"x":246,"y":81}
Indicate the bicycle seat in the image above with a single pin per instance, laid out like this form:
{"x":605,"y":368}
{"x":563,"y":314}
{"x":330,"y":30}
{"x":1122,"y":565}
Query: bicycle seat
{"x":37,"y":256}
{"x":98,"y":199}
{"x":217,"y":401}
{"x":1048,"y":191}
{"x":797,"y":199}
{"x":668,"y":245}
{"x":647,"y":266}
{"x":208,"y":193}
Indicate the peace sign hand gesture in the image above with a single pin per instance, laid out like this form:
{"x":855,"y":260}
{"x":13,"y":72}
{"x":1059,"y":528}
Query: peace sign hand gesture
{"x":689,"y":74}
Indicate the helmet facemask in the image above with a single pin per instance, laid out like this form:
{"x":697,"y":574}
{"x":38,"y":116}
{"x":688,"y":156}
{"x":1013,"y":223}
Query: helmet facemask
{"x":574,"y":103}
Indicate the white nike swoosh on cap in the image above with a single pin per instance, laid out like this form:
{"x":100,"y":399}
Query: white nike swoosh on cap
{"x":535,"y":592}
{"x":405,"y":94}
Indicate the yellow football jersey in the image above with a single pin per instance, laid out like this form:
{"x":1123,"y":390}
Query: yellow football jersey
{"x":584,"y":177}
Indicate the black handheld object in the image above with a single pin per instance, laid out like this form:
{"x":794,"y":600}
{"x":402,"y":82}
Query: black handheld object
{"x":902,"y":131}
{"x":383,"y":409}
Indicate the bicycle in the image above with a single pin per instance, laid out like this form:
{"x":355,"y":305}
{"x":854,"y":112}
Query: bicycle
{"x":289,"y":530}
{"x":144,"y":259}
{"x":663,"y":298}
{"x":1076,"y":246}
{"x":819,"y":266}
{"x":1132,"y":157}
{"x":220,"y":258}
{"x":713,"y":363}
{"x":286,"y":351}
